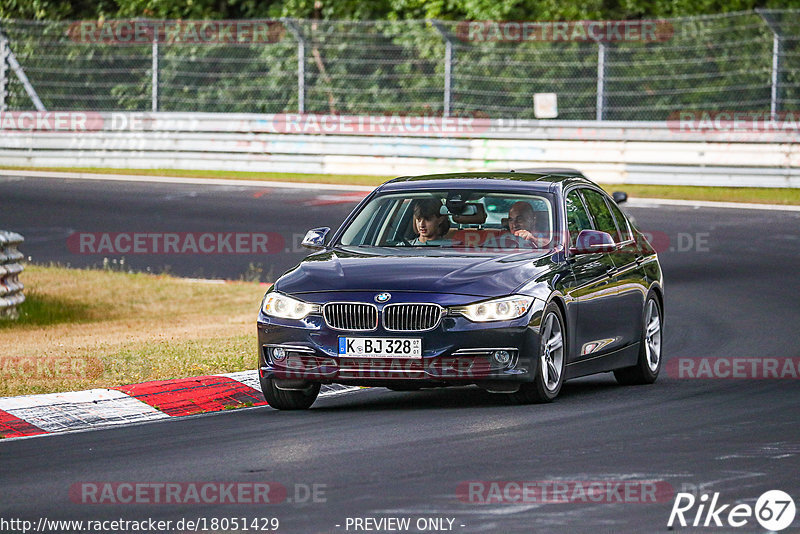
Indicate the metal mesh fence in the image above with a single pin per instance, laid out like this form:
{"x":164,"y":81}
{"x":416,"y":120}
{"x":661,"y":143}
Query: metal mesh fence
{"x":743,"y":61}
{"x":786,"y":27}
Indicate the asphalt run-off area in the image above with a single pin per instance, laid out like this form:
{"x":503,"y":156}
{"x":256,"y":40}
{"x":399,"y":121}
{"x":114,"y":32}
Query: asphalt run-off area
{"x":731,"y":292}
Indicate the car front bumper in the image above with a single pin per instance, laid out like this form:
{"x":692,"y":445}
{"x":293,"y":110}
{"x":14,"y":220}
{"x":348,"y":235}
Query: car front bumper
{"x":456,"y":352}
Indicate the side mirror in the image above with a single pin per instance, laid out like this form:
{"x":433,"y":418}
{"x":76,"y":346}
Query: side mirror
{"x":620,"y":197}
{"x":592,"y":241}
{"x":315,"y":239}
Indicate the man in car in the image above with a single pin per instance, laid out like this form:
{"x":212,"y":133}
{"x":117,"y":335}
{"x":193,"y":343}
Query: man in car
{"x":522,"y":223}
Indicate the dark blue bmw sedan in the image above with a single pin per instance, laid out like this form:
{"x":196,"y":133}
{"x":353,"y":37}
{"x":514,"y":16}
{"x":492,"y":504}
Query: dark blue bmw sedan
{"x":513,"y":282}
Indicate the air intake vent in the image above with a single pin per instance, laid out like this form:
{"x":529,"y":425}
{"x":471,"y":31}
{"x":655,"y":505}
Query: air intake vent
{"x":411,"y":317}
{"x":351,"y":316}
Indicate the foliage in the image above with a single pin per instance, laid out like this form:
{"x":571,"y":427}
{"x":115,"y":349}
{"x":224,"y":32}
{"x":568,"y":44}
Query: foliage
{"x":393,"y":64}
{"x":377,"y":9}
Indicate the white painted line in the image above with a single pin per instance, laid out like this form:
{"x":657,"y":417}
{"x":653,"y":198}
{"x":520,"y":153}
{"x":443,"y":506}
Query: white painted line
{"x":57,"y":412}
{"x":657,"y":202}
{"x":250,"y":378}
{"x":338,"y":389}
{"x":183,"y":180}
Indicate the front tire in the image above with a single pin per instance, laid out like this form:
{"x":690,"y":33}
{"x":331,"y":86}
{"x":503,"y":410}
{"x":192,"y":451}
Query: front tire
{"x":552,"y":360}
{"x":650,"y":355}
{"x":282,"y":399}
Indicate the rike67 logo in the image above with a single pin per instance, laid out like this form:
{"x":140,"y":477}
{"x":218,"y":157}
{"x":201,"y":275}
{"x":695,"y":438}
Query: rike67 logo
{"x":774,"y":510}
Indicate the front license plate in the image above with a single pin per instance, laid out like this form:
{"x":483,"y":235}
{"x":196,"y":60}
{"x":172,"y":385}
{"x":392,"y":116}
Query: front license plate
{"x":383,"y":347}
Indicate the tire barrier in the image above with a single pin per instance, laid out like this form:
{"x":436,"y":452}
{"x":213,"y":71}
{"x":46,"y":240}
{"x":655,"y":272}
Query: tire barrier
{"x":11,"y":288}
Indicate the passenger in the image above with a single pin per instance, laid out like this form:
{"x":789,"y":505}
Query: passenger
{"x":429,"y":225}
{"x":522,"y":223}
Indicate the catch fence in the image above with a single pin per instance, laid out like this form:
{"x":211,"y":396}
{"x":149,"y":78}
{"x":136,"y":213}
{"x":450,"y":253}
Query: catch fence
{"x":745,"y":61}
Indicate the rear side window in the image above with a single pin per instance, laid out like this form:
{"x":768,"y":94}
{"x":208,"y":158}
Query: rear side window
{"x":600,"y":213}
{"x":622,"y":223}
{"x":577,"y":218}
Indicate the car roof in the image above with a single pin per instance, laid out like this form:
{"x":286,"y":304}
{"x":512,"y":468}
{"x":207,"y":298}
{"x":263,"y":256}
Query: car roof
{"x":544,"y":179}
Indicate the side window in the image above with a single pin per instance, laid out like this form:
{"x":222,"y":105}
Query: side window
{"x":622,"y":223}
{"x":600,"y":212}
{"x":577,"y":219}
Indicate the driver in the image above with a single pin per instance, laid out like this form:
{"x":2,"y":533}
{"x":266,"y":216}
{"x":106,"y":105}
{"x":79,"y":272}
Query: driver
{"x":522,"y":223}
{"x":429,"y":225}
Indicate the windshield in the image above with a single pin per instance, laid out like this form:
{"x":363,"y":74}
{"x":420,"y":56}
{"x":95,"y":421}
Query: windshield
{"x":469,"y":220}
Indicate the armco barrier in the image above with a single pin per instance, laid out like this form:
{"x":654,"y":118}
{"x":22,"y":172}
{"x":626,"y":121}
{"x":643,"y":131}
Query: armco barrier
{"x":607,"y":151}
{"x":10,"y":287}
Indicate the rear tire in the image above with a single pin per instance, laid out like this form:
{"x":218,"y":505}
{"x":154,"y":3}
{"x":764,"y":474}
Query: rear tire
{"x":648,"y":364}
{"x":282,"y":399}
{"x":551,"y":362}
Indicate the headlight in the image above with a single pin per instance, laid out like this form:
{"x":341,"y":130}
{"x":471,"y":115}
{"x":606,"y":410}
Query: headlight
{"x":502,"y":309}
{"x":285,"y":307}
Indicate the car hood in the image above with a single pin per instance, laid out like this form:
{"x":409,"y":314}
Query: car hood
{"x":438,"y":271}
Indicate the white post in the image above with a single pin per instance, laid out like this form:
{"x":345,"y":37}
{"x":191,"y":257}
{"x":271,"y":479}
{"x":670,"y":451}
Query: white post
{"x":601,"y":80}
{"x":301,"y":64}
{"x":3,"y":72}
{"x":154,"y":82}
{"x":448,"y":76}
{"x":301,"y":76}
{"x":448,"y":67}
{"x":773,"y":100}
{"x":774,"y":82}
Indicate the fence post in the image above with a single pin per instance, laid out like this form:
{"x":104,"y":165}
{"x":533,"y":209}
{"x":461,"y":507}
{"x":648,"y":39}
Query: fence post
{"x":776,"y":53}
{"x":301,"y":64}
{"x":601,"y":80}
{"x":154,"y":82}
{"x":448,"y":66}
{"x":3,"y":72}
{"x":774,"y":103}
{"x":12,"y":62}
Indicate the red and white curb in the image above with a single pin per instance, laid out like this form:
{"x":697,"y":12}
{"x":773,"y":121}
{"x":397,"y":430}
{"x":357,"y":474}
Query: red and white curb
{"x":32,"y":415}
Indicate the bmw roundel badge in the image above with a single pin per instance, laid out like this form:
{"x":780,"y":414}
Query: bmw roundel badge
{"x":383,"y":297}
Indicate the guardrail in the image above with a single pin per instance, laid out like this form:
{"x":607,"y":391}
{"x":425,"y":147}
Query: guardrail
{"x":10,"y":287}
{"x":607,"y":151}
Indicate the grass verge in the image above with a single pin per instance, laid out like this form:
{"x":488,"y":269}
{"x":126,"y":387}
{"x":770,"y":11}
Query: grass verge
{"x":755,"y":195}
{"x":758,"y":195}
{"x":81,"y":329}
